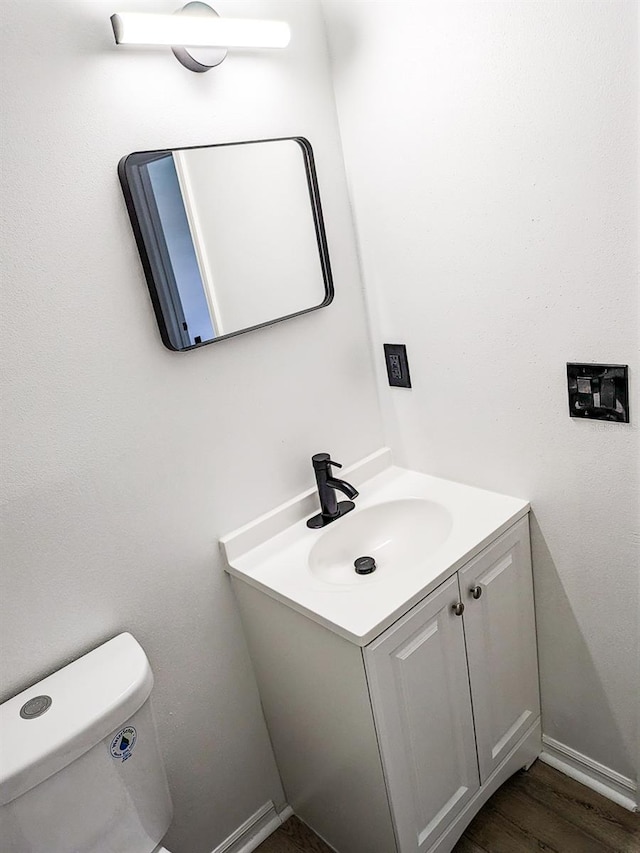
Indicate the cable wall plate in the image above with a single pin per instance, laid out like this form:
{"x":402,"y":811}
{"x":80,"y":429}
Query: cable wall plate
{"x":598,"y":391}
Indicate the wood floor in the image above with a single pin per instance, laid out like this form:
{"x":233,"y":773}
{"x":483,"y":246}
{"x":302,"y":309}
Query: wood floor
{"x":541,"y":810}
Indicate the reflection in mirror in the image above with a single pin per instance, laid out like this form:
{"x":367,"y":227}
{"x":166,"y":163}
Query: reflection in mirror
{"x":231,"y":236}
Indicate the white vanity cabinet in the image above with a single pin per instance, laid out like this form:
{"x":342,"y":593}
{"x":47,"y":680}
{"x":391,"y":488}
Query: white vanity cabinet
{"x":454,"y":688}
{"x":419,"y":683}
{"x":499,"y":624}
{"x":393,"y":746}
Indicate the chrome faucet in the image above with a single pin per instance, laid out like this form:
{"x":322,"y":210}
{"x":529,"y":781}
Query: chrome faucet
{"x":330,"y":509}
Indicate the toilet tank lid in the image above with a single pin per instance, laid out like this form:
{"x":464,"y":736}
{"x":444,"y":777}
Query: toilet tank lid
{"x":90,"y":698}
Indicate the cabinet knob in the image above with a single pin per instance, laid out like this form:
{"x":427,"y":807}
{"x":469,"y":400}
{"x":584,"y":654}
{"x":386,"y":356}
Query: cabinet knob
{"x":476,"y":591}
{"x":458,"y":608}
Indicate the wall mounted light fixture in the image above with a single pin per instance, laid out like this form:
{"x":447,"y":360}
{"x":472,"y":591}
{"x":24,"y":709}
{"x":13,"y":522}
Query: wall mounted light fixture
{"x":198,"y":26}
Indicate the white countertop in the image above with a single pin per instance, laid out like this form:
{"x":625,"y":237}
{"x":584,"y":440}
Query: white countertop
{"x":272,"y":553}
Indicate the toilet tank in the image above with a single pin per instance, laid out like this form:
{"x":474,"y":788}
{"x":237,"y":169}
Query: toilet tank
{"x":80,"y":767}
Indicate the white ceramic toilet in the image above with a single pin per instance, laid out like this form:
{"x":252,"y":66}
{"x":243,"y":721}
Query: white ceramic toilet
{"x":80,"y":767}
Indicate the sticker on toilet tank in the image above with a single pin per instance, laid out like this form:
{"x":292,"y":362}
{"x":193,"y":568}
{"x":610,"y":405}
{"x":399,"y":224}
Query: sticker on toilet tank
{"x":123,"y":743}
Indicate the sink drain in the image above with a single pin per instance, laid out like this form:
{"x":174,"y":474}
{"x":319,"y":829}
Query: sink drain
{"x":364,"y":565}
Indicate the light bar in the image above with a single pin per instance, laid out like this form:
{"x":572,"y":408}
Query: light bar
{"x":143,"y":28}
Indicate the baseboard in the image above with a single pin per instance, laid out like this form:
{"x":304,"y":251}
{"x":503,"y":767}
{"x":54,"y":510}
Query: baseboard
{"x":591,"y":773}
{"x":255,"y":829}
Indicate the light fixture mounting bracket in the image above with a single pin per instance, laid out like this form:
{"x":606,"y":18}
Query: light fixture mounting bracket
{"x":198,"y":58}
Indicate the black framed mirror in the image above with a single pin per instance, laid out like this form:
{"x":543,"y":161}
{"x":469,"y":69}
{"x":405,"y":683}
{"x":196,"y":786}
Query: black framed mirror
{"x":231,"y":236}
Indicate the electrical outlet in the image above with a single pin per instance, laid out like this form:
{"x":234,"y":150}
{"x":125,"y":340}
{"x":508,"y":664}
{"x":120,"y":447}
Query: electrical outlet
{"x":397,"y":365}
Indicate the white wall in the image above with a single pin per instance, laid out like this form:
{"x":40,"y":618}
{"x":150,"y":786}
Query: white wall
{"x":491,"y":154}
{"x":124,"y":462}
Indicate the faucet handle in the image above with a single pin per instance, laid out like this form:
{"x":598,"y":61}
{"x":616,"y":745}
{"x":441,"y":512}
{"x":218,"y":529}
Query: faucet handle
{"x":321,"y":460}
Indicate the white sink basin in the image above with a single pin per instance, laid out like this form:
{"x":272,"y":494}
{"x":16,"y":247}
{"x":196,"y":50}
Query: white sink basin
{"x":419,"y":529}
{"x":397,"y":534}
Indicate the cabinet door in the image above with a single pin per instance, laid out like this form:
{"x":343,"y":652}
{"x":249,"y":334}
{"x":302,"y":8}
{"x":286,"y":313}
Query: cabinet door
{"x":501,"y":645}
{"x":419,"y":687}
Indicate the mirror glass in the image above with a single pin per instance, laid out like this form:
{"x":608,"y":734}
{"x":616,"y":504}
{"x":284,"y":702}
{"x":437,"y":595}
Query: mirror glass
{"x":231,"y":236}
